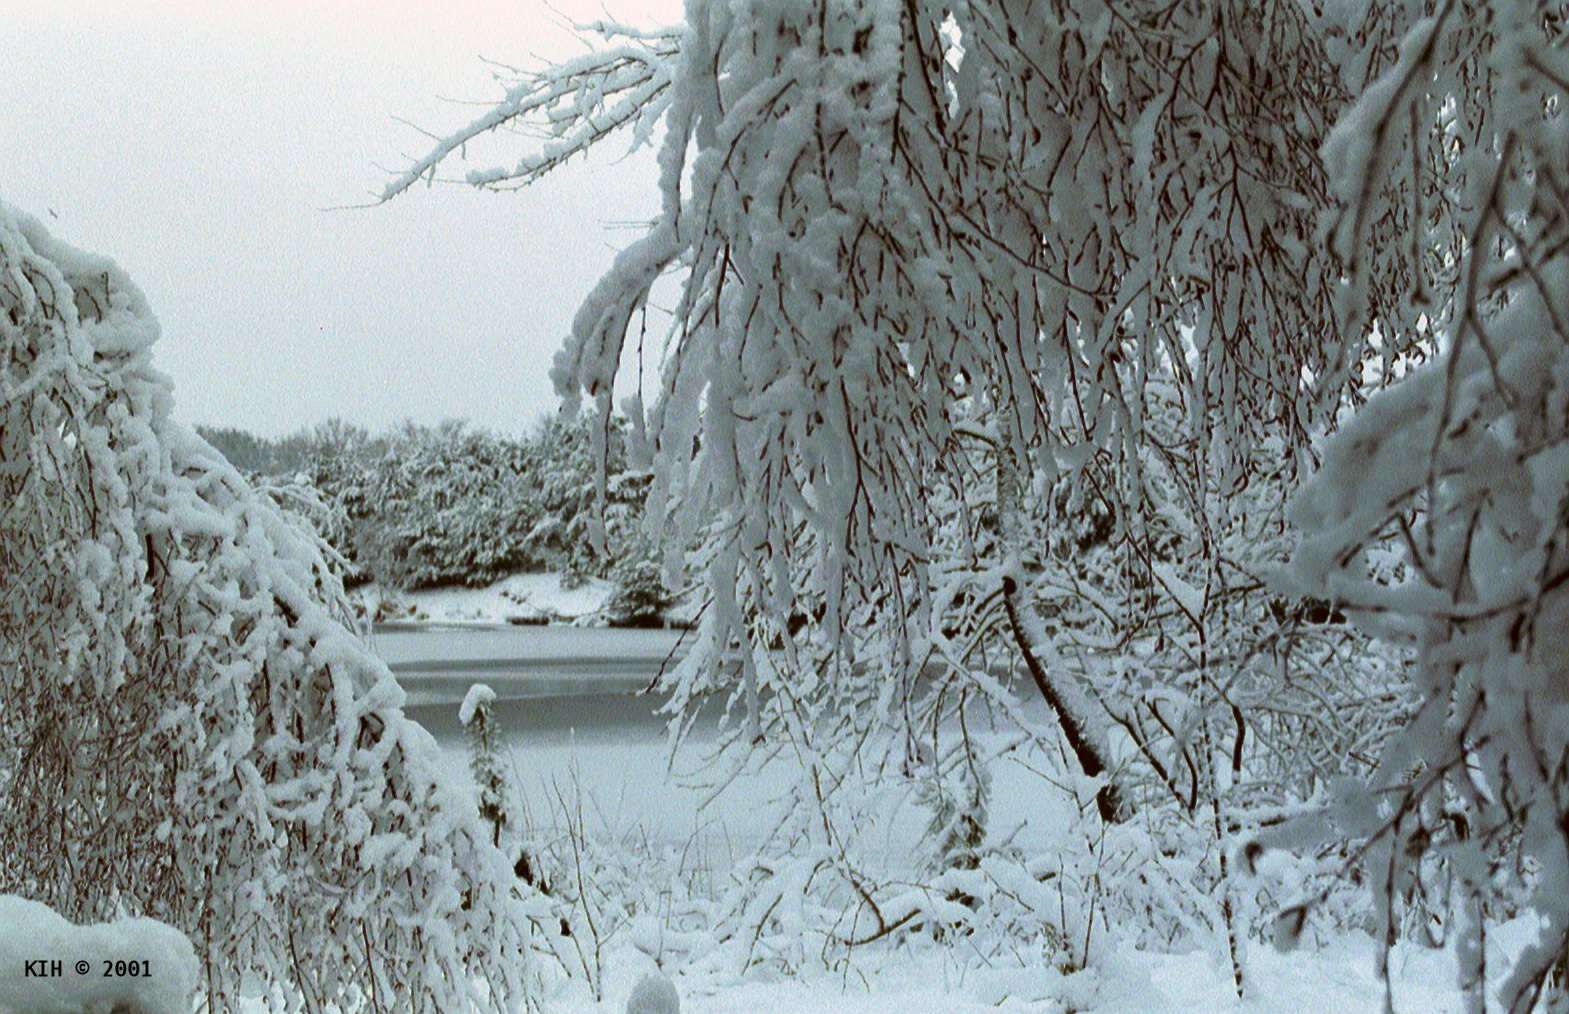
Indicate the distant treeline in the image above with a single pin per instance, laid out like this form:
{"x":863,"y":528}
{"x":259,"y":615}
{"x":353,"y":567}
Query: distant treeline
{"x":421,"y":506}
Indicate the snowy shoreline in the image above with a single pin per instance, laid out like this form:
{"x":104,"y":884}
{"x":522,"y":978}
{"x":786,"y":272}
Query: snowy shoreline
{"x":545,"y":599}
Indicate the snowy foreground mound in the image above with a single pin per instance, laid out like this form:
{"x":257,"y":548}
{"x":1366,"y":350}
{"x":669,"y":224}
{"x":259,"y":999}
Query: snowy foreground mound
{"x":653,"y":994}
{"x":33,"y":938}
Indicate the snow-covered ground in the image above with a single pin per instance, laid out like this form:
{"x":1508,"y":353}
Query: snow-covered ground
{"x":1338,"y":979}
{"x":911,"y":979}
{"x":520,"y":598}
{"x":629,"y":791}
{"x":620,"y":770}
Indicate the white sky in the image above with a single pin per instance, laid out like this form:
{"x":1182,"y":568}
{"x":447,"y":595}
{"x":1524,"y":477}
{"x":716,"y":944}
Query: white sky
{"x":197,"y":144}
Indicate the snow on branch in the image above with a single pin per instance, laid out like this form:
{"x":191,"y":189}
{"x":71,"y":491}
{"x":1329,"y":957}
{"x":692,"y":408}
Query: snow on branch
{"x":579,"y":103}
{"x":898,"y":224}
{"x":1464,"y":465}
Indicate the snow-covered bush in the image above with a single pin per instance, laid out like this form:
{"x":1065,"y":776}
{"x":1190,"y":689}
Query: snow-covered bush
{"x":450,"y":505}
{"x":190,"y":731}
{"x":607,"y":882}
{"x":640,"y":598}
{"x":592,"y":503}
{"x":447,"y":505}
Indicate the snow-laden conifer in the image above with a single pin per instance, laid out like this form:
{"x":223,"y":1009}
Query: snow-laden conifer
{"x":475,"y":715}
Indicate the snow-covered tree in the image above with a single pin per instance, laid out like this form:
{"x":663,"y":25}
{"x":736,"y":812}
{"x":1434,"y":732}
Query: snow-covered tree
{"x":902,"y":224}
{"x":188,"y":729}
{"x":957,"y":277}
{"x":447,"y":505}
{"x":1465,"y":465}
{"x":476,"y":715}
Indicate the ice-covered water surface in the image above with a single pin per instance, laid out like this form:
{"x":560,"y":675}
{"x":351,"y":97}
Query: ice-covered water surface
{"x":576,"y":728}
{"x":437,"y":665}
{"x":458,"y":642}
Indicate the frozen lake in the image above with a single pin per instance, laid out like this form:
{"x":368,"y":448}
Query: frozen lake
{"x":571,"y":710}
{"x":575,"y":721}
{"x":437,"y":666}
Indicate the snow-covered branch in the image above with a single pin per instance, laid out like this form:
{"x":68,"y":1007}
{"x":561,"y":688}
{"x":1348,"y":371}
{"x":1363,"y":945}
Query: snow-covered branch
{"x":578,"y":104}
{"x":1466,"y":461}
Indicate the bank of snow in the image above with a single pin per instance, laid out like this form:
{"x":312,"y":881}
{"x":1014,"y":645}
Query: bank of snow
{"x":520,"y":598}
{"x":50,"y":966}
{"x":925,"y":979}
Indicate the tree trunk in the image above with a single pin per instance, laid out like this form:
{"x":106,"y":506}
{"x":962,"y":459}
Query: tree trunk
{"x":1108,"y":800}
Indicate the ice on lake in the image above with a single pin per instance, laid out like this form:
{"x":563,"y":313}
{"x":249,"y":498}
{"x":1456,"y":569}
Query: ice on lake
{"x":576,"y":728}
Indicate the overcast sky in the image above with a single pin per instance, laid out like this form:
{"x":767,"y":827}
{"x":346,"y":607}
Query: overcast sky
{"x":198,"y":143}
